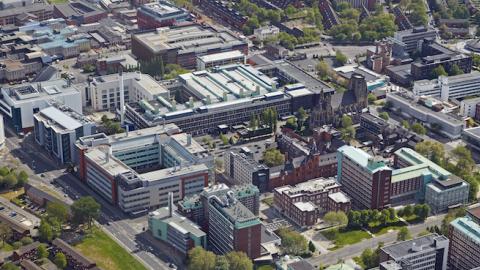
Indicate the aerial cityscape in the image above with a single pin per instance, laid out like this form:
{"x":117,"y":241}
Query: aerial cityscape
{"x":240,"y":135}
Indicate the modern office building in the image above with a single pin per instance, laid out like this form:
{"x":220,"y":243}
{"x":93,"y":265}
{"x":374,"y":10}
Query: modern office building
{"x":104,"y":92}
{"x":242,"y":169}
{"x":442,"y":195}
{"x":182,"y":44}
{"x":471,"y":136}
{"x":167,"y":225}
{"x":412,"y":37}
{"x":136,"y":170}
{"x":469,"y":107}
{"x":434,"y":55}
{"x":304,"y":203}
{"x":464,"y":235}
{"x":160,"y":14}
{"x":429,"y":252}
{"x":220,"y":59}
{"x":418,"y":178}
{"x":20,"y":103}
{"x":228,"y":215}
{"x":224,"y":95}
{"x":364,"y":178}
{"x":451,"y":87}
{"x":410,"y":106}
{"x":57,"y":128}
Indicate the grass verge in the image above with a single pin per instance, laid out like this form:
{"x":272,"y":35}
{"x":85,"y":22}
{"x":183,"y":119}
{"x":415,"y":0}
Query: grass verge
{"x":344,"y":237}
{"x":108,"y":254}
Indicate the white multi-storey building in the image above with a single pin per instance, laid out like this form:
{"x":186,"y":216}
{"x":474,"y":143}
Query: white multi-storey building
{"x":2,"y":132}
{"x":452,"y":87}
{"x":104,"y":91}
{"x":136,"y":170}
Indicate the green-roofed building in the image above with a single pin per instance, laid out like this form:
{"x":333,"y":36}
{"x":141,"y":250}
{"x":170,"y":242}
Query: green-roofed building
{"x":364,"y":178}
{"x":419,"y":178}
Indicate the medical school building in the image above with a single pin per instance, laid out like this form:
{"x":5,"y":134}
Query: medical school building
{"x":136,"y":170}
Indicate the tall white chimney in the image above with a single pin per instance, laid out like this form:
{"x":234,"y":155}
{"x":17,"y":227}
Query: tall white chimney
{"x":170,"y":204}
{"x":122,"y":98}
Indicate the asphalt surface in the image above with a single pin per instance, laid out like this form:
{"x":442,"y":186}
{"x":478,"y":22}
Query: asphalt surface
{"x":43,"y":168}
{"x":354,"y":250}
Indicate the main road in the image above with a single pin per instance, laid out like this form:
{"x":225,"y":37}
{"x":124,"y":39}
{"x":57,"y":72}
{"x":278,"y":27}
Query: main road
{"x":43,"y":169}
{"x":354,"y":250}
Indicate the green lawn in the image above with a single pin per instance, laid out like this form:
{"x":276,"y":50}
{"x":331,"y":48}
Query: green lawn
{"x":108,"y":255}
{"x":344,"y":237}
{"x":6,"y":247}
{"x":265,"y":267}
{"x":379,"y":230}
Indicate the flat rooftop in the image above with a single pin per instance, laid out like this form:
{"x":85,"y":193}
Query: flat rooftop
{"x":186,"y":39}
{"x":62,"y":119}
{"x":221,"y":56}
{"x":363,"y":159}
{"x":45,"y":90}
{"x":401,"y":249}
{"x":145,"y":81}
{"x":177,"y":221}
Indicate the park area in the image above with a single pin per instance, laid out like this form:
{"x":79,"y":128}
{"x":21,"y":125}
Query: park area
{"x":107,"y":253}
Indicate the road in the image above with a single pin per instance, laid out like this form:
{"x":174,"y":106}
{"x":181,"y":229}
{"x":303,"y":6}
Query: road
{"x":351,"y":251}
{"x":36,"y":163}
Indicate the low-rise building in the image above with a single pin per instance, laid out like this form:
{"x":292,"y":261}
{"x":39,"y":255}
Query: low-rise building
{"x":177,"y":231}
{"x":304,"y":203}
{"x":160,"y":14}
{"x":57,"y":128}
{"x":442,"y":195}
{"x":471,"y":136}
{"x":412,"y":37}
{"x":220,"y":59}
{"x":75,"y":259}
{"x":265,"y":32}
{"x":79,"y":12}
{"x":197,"y":40}
{"x":37,"y":11}
{"x":428,"y":252}
{"x":469,"y":107}
{"x":408,"y":105}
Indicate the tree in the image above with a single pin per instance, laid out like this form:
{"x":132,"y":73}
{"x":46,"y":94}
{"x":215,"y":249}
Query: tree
{"x":346,"y":121}
{"x":465,"y":163}
{"x":84,"y":210}
{"x":419,"y":129}
{"x":322,"y":69}
{"x":292,"y":123}
{"x":253,"y":122}
{"x":273,"y":157}
{"x":354,"y":219}
{"x":302,"y":116}
{"x":42,"y":251}
{"x":200,"y":259}
{"x":5,"y":232}
{"x":348,"y":134}
{"x":224,"y":139}
{"x":45,"y":231}
{"x":438,"y":71}
{"x":293,"y":242}
{"x":58,"y":211}
{"x":336,"y":218}
{"x":10,"y":266}
{"x":403,"y":234}
{"x":239,"y":261}
{"x":455,"y":70}
{"x":26,"y":240}
{"x":421,"y":211}
{"x":10,"y":180}
{"x":371,"y":98}
{"x":311,"y":247}
{"x":384,"y":116}
{"x":60,"y":260}
{"x":369,"y":258}
{"x":22,"y":179}
{"x":432,"y":150}
{"x":221,"y":263}
{"x":408,"y":210}
{"x":340,"y":58}
{"x":405,"y":124}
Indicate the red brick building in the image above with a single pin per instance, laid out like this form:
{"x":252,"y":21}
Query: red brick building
{"x":304,"y":203}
